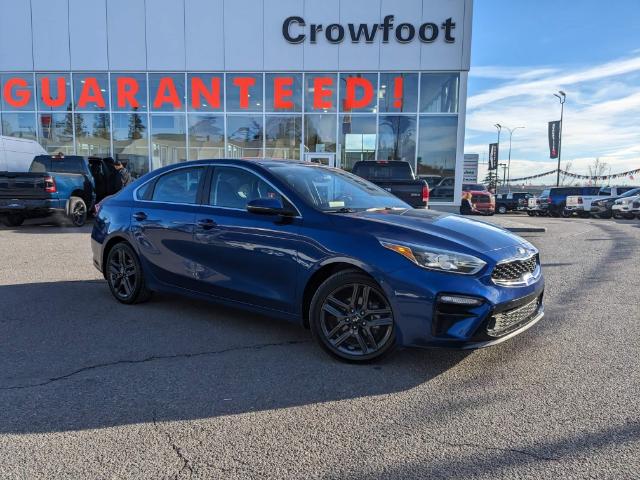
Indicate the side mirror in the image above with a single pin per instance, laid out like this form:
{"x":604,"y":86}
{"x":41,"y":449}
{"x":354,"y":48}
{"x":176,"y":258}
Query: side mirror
{"x":269,"y":206}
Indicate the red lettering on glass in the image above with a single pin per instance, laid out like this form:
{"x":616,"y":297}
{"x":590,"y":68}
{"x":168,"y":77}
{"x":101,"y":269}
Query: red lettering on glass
{"x":321,"y":94}
{"x":45,"y":88}
{"x":90,"y":93}
{"x":23,"y":95}
{"x":351,"y":99}
{"x":166,"y":93}
{"x":198,"y":89}
{"x":281,"y":93}
{"x":126,"y":89}
{"x":244,"y":84}
{"x":398,"y":89}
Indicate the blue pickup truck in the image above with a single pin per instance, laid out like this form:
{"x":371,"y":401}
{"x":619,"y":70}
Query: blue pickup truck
{"x":61,"y":186}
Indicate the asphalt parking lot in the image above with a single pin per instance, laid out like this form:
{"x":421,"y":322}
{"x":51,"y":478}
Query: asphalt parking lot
{"x":179,"y":389}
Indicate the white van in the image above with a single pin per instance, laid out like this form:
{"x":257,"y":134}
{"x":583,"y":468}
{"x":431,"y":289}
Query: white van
{"x":16,"y":154}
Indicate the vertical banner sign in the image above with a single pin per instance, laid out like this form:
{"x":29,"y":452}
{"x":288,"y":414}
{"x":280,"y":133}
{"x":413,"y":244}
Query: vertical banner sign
{"x":493,"y":156}
{"x":554,"y":138}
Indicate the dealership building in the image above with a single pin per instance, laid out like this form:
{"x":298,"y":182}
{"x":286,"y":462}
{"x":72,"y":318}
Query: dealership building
{"x":155,"y":82}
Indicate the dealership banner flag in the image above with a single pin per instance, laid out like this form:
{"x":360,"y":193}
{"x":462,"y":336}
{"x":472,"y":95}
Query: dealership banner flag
{"x":493,"y":156}
{"x":554,"y":139}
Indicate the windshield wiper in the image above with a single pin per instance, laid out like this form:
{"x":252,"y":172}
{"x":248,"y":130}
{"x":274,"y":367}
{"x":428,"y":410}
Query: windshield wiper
{"x":341,"y":210}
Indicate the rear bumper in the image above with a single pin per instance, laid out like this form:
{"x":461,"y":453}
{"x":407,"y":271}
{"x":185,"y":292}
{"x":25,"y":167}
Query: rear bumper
{"x":32,"y":208}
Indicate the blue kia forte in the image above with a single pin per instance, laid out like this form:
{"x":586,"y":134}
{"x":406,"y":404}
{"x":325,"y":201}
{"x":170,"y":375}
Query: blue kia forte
{"x":321,"y":247}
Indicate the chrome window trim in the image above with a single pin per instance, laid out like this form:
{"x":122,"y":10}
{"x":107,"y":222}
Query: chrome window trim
{"x":214,"y":165}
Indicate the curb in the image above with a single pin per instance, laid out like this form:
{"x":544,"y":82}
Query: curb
{"x":526,"y":229}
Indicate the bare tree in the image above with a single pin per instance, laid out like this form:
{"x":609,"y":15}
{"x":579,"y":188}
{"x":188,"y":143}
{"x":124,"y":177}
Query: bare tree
{"x":597,"y":169}
{"x":563,"y":175}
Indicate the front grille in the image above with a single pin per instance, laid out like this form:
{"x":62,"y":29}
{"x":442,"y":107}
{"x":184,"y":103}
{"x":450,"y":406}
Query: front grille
{"x":505,"y":322}
{"x":515,"y":270}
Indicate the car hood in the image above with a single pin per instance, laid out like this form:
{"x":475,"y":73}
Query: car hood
{"x":447,"y":228}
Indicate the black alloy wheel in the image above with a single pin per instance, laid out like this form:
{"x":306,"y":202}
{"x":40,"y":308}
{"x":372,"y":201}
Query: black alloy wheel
{"x":351,"y":318}
{"x":124,"y":275}
{"x":77,"y":212}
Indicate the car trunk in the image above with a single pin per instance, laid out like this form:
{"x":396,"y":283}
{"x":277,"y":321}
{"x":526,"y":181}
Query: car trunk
{"x":23,"y":185}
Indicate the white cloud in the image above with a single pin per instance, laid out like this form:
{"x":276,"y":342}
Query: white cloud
{"x":602,"y":115}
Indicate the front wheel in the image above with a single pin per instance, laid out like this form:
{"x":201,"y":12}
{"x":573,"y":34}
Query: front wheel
{"x":125,"y":276}
{"x":351,"y":318}
{"x":502,"y":209}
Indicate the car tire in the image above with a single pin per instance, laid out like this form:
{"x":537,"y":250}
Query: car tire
{"x":502,"y":209}
{"x":531,"y":214}
{"x":13,"y":220}
{"x":125,"y":276}
{"x":629,"y":216}
{"x":342,"y":322}
{"x":77,"y":215}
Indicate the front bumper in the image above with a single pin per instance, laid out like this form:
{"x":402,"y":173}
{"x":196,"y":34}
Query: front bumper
{"x":423,"y":322}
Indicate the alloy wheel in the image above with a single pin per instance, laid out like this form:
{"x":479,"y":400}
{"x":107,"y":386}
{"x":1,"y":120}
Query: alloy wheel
{"x":79,"y":214}
{"x":356,"y":320}
{"x":123,"y":274}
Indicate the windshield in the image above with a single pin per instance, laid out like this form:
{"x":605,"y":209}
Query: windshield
{"x":333,"y":190}
{"x":631,"y":193}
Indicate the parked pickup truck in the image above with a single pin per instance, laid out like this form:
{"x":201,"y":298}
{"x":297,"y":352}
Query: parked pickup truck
{"x":396,"y":177}
{"x":61,"y":186}
{"x":510,"y":202}
{"x":553,"y":201}
{"x":583,"y":205}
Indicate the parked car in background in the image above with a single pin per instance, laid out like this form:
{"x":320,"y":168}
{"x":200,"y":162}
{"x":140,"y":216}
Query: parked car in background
{"x":432,"y":180}
{"x":444,"y":190}
{"x":582,"y":204}
{"x":636,"y":208}
{"x":623,"y":205}
{"x":483,"y":201}
{"x":59,"y":186}
{"x":554,"y":200}
{"x":533,"y":206}
{"x":322,"y":248}
{"x":474,"y":187}
{"x":512,"y":202}
{"x":397,"y":178}
{"x":16,"y":154}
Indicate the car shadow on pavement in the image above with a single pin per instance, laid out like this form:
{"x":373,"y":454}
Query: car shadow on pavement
{"x":72,"y":358}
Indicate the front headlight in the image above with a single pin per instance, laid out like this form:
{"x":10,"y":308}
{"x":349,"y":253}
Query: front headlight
{"x":436,"y":259}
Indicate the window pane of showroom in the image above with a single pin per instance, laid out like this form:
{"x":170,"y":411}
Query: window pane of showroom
{"x":130,"y":142}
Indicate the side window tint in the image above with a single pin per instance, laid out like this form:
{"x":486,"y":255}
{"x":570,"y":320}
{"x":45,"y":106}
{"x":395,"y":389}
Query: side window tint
{"x":143,"y":190}
{"x":234,"y":188}
{"x":180,"y":186}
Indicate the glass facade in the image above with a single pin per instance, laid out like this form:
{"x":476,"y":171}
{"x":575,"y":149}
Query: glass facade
{"x":149,"y":120}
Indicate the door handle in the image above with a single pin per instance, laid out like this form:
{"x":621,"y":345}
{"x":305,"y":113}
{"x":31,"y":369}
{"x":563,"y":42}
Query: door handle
{"x":139,"y":216}
{"x":206,"y":224}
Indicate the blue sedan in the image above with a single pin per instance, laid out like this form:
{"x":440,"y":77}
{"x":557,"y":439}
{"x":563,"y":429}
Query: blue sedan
{"x":321,"y":247}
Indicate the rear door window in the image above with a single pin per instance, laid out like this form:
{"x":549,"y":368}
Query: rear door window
{"x":67,"y":165}
{"x":40,"y":165}
{"x":180,"y":186}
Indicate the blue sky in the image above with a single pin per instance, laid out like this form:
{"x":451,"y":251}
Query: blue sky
{"x":523,"y":52}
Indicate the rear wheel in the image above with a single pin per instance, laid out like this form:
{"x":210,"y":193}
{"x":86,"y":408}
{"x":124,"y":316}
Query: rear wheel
{"x":351,"y":318}
{"x":77,"y":212}
{"x":125,"y":276}
{"x":531,"y":214}
{"x":13,"y":220}
{"x":502,"y":209}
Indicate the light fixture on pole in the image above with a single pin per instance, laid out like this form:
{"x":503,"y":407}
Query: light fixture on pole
{"x":511,"y":130}
{"x":563,"y":98}
{"x":499,"y":127}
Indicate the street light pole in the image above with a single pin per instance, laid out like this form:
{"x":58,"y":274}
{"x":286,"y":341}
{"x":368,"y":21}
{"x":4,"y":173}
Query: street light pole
{"x":511,"y":130}
{"x":504,"y":172}
{"x":563,"y":98}
{"x":499,"y":127}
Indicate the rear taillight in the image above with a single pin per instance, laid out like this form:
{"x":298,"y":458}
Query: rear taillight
{"x":50,"y":185}
{"x":548,"y":200}
{"x":425,"y":193}
{"x":580,"y":200}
